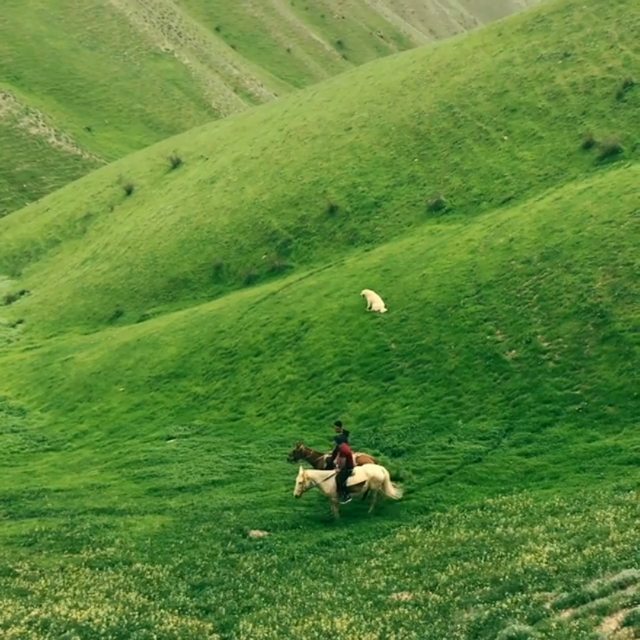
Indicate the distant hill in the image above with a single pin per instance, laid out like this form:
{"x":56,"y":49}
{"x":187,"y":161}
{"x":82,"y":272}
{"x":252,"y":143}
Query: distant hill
{"x":434,"y":133}
{"x":83,"y":84}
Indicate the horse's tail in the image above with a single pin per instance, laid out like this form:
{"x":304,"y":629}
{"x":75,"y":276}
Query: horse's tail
{"x":390,"y":490}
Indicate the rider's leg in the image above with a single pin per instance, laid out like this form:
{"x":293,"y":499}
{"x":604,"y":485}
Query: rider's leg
{"x":341,"y":481}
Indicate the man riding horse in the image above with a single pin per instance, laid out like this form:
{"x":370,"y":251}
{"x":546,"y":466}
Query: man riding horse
{"x":342,"y":436}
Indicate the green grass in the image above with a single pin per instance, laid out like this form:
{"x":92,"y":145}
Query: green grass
{"x":480,"y":121}
{"x":505,"y":366}
{"x":114,"y":77}
{"x":146,"y":407}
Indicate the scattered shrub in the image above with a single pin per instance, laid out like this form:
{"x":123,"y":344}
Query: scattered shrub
{"x":219,"y":270}
{"x":340,"y":43}
{"x":609,"y":149}
{"x":588,"y":141}
{"x":625,"y":87}
{"x":10,"y":298}
{"x":437,"y":204}
{"x":116,"y":315}
{"x":250,"y":277}
{"x":174,"y":161}
{"x":332,"y":208}
{"x":632,"y":619}
{"x":128,"y":188}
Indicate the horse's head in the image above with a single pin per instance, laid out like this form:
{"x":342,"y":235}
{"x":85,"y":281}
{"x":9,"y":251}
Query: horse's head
{"x":296,"y":453}
{"x":302,"y":483}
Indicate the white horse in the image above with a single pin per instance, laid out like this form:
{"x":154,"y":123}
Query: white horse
{"x":372,"y":478}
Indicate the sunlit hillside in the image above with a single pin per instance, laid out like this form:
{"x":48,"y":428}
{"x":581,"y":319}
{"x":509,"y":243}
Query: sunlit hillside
{"x":84,"y":83}
{"x":437,"y":133}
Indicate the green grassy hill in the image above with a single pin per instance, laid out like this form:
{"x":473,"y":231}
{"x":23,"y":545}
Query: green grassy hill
{"x":146,"y":407}
{"x":84,"y":85}
{"x":500,"y":387}
{"x":366,"y":157}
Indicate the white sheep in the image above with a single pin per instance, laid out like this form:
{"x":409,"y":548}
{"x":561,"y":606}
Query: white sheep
{"x":374,"y":301}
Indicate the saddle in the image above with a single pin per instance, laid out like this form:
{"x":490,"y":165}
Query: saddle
{"x":355,"y":481}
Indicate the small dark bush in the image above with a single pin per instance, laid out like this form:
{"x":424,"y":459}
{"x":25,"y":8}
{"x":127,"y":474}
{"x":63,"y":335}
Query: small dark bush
{"x":437,"y":204}
{"x":340,"y":43}
{"x":217,"y":28}
{"x":118,"y":312}
{"x":174,"y":161}
{"x":250,"y":277}
{"x":609,"y":149}
{"x":632,"y":619}
{"x":128,"y":188}
{"x":219,"y":270}
{"x":332,"y":208}
{"x":625,"y":87}
{"x":588,"y":141}
{"x":10,"y":298}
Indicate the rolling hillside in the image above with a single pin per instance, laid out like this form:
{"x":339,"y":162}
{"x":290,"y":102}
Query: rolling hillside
{"x":170,"y":330}
{"x":500,"y":387}
{"x":356,"y":161}
{"x":83,"y":85}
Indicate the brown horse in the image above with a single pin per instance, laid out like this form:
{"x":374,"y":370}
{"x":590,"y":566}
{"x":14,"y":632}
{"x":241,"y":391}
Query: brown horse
{"x":318,"y":460}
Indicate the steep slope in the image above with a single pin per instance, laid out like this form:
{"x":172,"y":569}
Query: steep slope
{"x":439,"y":132}
{"x":111,"y":77}
{"x":506,"y":365}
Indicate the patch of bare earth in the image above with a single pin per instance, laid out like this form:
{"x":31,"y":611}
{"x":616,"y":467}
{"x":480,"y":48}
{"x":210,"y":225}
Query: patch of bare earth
{"x":611,"y":625}
{"x":218,"y":69}
{"x":35,"y":123}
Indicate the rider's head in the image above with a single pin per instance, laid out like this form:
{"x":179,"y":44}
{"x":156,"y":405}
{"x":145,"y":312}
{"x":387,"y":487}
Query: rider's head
{"x":338,"y":426}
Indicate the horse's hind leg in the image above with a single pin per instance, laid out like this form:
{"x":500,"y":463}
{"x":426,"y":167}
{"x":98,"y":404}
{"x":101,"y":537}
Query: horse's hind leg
{"x":335,"y":509}
{"x":374,"y":499}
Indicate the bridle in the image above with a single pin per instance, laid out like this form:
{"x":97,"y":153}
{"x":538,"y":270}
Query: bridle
{"x":315,"y":483}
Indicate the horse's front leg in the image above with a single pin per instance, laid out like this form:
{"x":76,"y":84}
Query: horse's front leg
{"x":335,"y":509}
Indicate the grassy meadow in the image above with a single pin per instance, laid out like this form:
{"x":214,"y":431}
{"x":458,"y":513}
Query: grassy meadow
{"x":366,"y":157}
{"x":161,"y":351}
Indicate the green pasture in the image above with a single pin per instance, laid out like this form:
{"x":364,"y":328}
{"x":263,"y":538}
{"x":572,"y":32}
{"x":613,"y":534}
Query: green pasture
{"x":169,"y":330}
{"x":501,"y":382}
{"x":439,"y":133}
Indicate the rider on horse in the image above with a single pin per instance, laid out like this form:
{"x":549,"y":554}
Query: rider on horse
{"x":342,"y":457}
{"x":342,"y":435}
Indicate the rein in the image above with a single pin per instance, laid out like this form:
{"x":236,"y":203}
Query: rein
{"x":315,"y":483}
{"x":310,"y":455}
